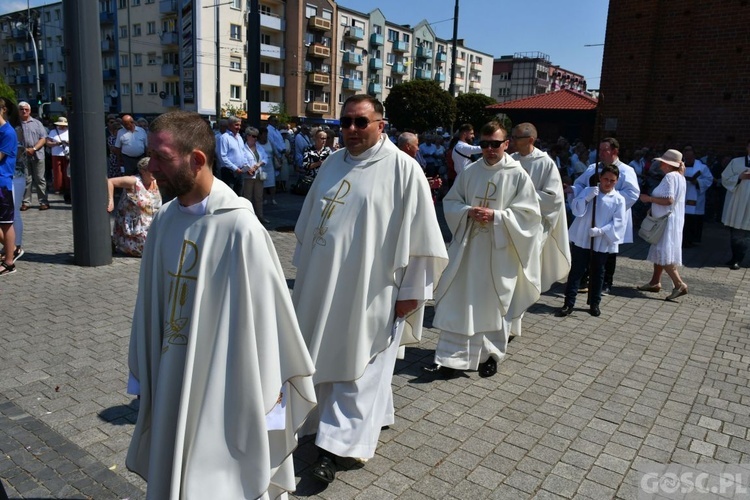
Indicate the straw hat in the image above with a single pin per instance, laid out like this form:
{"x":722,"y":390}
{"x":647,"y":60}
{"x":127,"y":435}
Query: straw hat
{"x":62,"y":122}
{"x":671,"y":157}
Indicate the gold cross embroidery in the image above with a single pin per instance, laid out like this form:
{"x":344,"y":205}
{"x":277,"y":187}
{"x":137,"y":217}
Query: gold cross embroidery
{"x":178,"y":293}
{"x":489,"y":191}
{"x":327,"y":213}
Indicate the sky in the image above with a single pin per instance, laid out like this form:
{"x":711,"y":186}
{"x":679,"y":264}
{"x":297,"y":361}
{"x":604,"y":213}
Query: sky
{"x":557,"y":28}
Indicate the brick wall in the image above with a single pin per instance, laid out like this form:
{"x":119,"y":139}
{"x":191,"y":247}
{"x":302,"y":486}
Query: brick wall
{"x":678,"y":71}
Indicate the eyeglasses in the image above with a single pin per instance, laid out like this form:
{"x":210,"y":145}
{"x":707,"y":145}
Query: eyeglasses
{"x":516,"y":137}
{"x":491,"y":144}
{"x":360,"y":122}
{"x":253,"y":136}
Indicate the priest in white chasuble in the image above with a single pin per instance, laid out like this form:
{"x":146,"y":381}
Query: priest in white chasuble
{"x":216,"y":354}
{"x":494,"y":273}
{"x":369,"y":250}
{"x":544,"y":174}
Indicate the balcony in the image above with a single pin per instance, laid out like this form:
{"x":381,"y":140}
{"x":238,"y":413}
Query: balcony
{"x":317,"y":107}
{"x":424,"y":53}
{"x":171,"y":101}
{"x":271,"y":52}
{"x":319,"y":50}
{"x":352,"y":58}
{"x":319,"y":79}
{"x":375,"y":63}
{"x":399,"y":69}
{"x":168,"y":70}
{"x":270,"y":80}
{"x":17,"y":33}
{"x":475,"y":85}
{"x":354,"y":33}
{"x":440,"y":77}
{"x":376,"y":40}
{"x":11,"y":79}
{"x":318,"y":24}
{"x":18,"y":56}
{"x":441,"y":57}
{"x":109,"y":74}
{"x":351,"y":84}
{"x":106,"y":18}
{"x":400,"y":46}
{"x":269,"y":107}
{"x":107,"y":46}
{"x":274,"y":23}
{"x":461,"y":62}
{"x":423,"y":74}
{"x":374,"y":88}
{"x":475,"y":66}
{"x":168,"y":7}
{"x":23,"y":80}
{"x":170,"y":38}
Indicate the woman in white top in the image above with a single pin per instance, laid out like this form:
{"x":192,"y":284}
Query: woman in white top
{"x":270,"y":182}
{"x":668,"y":198}
{"x":252,"y":182}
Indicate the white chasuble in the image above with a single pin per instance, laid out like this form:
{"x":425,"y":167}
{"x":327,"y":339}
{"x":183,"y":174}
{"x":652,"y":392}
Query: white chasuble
{"x":364,"y":219}
{"x":214,"y":339}
{"x":494,"y":269}
{"x":737,"y":204}
{"x":555,"y":254}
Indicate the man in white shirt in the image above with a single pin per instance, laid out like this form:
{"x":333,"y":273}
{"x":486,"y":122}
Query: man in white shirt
{"x":698,"y":179}
{"x":464,"y":148}
{"x":130,"y":145}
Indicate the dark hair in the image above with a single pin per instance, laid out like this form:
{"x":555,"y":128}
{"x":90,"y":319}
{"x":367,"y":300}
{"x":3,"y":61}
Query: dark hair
{"x":613,"y":144}
{"x":466,"y":127}
{"x":12,"y":111}
{"x":357,"y":98}
{"x":189,"y":131}
{"x":611,"y":169}
{"x":490,"y":128}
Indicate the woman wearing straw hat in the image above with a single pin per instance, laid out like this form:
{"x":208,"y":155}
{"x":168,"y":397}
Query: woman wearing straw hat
{"x":668,"y":196}
{"x":58,"y":140}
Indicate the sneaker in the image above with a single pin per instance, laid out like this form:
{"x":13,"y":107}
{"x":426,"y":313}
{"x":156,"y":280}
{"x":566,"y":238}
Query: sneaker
{"x":273,"y":202}
{"x":606,"y":289}
{"x":18,"y":253}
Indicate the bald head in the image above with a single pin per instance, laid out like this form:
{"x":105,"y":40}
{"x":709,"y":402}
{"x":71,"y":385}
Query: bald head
{"x":128,"y":122}
{"x":523,"y":136}
{"x":408,"y":143}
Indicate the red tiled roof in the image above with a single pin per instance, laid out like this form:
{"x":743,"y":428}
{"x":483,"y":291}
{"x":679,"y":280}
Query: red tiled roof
{"x":564,"y":99}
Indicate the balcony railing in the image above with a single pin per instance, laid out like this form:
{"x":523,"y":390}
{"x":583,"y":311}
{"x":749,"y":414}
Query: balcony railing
{"x":441,"y":57}
{"x":399,"y":69}
{"x":168,"y":7}
{"x":354,"y":33}
{"x":271,"y":80}
{"x":107,"y":45}
{"x":171,"y":101}
{"x":351,"y":84}
{"x":106,"y":17}
{"x":109,"y":74}
{"x":272,"y":22}
{"x":317,"y":107}
{"x":475,"y":66}
{"x":319,"y":79}
{"x":319,"y":50}
{"x":374,"y":88}
{"x":400,"y":46}
{"x":318,"y":24}
{"x":476,"y":85}
{"x":423,"y":74}
{"x":170,"y":70}
{"x":352,"y":58}
{"x":375,"y":63}
{"x":271,"y":51}
{"x":424,"y":52}
{"x":170,"y":38}
{"x":440,"y":77}
{"x":376,"y":40}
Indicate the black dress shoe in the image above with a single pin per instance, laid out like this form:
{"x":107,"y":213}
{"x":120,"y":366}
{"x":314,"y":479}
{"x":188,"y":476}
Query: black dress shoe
{"x":488,"y":368}
{"x":565,"y":311}
{"x":436,"y":369}
{"x":594,"y":311}
{"x":735,"y":266}
{"x":324,"y":470}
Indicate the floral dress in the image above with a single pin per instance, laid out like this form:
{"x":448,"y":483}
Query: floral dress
{"x":113,"y":170}
{"x":133,"y":217}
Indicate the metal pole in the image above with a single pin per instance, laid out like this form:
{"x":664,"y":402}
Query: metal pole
{"x":218,"y":65}
{"x":92,"y":245}
{"x":253,"y":64}
{"x":454,"y":57}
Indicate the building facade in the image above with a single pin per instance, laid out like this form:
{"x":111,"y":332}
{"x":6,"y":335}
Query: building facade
{"x":526,"y":74}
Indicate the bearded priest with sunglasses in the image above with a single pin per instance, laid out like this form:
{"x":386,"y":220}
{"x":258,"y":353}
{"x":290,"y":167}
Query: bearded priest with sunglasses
{"x":494,"y":273}
{"x":369,"y":249}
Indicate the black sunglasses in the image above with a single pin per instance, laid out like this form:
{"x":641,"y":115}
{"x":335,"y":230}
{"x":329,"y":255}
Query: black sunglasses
{"x":360,"y":122}
{"x":491,"y":144}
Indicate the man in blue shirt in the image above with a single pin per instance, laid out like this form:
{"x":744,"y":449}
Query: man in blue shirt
{"x":8,"y":150}
{"x":233,"y":155}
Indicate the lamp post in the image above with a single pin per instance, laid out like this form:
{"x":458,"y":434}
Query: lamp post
{"x":30,"y":31}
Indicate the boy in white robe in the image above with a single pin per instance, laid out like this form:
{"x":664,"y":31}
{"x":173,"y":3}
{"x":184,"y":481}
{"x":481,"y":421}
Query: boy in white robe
{"x":216,"y":354}
{"x":494,"y":271}
{"x":368,"y":251}
{"x":607,"y":233}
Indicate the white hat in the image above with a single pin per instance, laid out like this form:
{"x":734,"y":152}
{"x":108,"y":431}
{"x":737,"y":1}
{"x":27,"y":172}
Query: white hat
{"x":62,"y":122}
{"x":671,"y":157}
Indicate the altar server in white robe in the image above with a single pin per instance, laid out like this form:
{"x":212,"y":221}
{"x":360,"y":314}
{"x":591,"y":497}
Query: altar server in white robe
{"x":494,"y":273}
{"x":627,"y":186}
{"x":369,"y":250}
{"x":698,"y":178}
{"x":544,"y":174}
{"x":736,"y":216}
{"x":216,"y":355}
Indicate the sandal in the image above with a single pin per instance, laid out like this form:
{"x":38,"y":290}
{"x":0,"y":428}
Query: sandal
{"x":6,"y":269}
{"x":324,"y":470}
{"x":648,"y":287}
{"x":678,"y":292}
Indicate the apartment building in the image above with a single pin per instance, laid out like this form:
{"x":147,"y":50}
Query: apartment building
{"x":525,"y":74}
{"x":473,"y":69}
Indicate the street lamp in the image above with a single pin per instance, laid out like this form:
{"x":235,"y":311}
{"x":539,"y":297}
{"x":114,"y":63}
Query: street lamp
{"x":30,"y":31}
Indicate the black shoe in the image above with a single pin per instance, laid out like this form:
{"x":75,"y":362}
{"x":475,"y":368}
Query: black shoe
{"x":606,"y":289}
{"x":565,"y":311}
{"x":488,"y":368}
{"x":594,"y":311}
{"x":729,"y":262}
{"x":324,"y":470}
{"x":734,"y":266}
{"x":436,"y":369}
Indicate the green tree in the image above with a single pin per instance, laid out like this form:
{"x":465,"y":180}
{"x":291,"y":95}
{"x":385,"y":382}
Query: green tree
{"x":6,"y":91}
{"x":420,"y":105}
{"x":472,"y":108}
{"x":280,"y":111}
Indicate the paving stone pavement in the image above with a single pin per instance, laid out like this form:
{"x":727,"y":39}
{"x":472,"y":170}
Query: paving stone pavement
{"x":578,"y":409}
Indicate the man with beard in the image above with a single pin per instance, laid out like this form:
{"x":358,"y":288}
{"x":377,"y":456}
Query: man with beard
{"x":220,"y":366}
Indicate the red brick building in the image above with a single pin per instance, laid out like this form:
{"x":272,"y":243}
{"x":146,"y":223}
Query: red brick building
{"x":677,"y":72}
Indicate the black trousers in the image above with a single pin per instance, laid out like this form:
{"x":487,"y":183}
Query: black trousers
{"x":609,"y":270}
{"x":739,"y":241}
{"x":581,"y":261}
{"x":231,"y":180}
{"x":692,"y":231}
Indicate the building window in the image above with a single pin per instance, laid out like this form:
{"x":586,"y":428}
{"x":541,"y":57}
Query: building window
{"x":58,"y":14}
{"x":265,"y":38}
{"x":125,"y":89}
{"x":149,"y":1}
{"x":309,"y":95}
{"x":265,"y":9}
{"x":405,"y":37}
{"x":344,"y":21}
{"x":137,"y":29}
{"x":235,"y":64}
{"x":47,"y":17}
{"x":151,"y":27}
{"x":392,"y":35}
{"x":327,"y":14}
{"x":265,"y":67}
{"x":265,"y":96}
{"x":122,"y":4}
{"x":138,"y":88}
{"x":341,"y":98}
{"x":124,"y":61}
{"x":151,"y":56}
{"x":325,"y":68}
{"x":235,"y":32}
{"x":391,"y":59}
{"x":137,"y":59}
{"x":311,"y":11}
{"x":388,"y":82}
{"x":326,"y":97}
{"x":376,"y":28}
{"x":135,"y":3}
{"x":123,"y":31}
{"x":234,"y":92}
{"x":153,"y":88}
{"x":237,"y":4}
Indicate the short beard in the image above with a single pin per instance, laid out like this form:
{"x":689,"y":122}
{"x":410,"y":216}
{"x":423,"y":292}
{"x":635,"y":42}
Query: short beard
{"x":182,"y":183}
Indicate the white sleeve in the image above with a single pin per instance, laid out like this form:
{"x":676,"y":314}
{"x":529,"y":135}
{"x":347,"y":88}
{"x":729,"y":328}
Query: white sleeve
{"x":418,"y":280}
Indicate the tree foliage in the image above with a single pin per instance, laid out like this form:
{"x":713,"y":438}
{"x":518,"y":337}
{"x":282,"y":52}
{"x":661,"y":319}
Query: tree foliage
{"x":472,"y":108}
{"x":6,"y":91}
{"x":420,"y":105}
